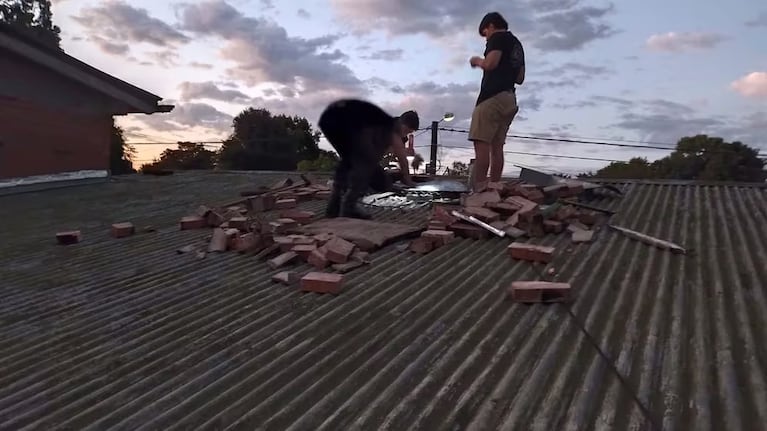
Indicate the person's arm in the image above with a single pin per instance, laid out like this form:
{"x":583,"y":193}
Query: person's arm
{"x":399,"y":151}
{"x":492,"y":58}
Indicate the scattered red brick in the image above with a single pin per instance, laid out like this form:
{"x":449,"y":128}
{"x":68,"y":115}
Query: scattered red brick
{"x":481,"y":199}
{"x":583,"y":236}
{"x":553,"y":226}
{"x":565,"y":213}
{"x":282,"y":260}
{"x":318,"y":258}
{"x":193,"y":222}
{"x":439,"y":237}
{"x":304,"y":250}
{"x":122,"y":230}
{"x":339,"y":250}
{"x":466,"y":230}
{"x":219,"y":241}
{"x":69,"y":237}
{"x":322,"y":282}
{"x":539,"y":291}
{"x":247,"y":242}
{"x":214,"y":219}
{"x":285,"y":243}
{"x":443,"y":215}
{"x":588,"y":218}
{"x":323,"y":238}
{"x":239,"y":222}
{"x":504,"y":208}
{"x":530,"y":252}
{"x":285,"y":204}
{"x":302,"y":217}
{"x":483,"y":214}
{"x":422,"y":245}
{"x":287,"y":278}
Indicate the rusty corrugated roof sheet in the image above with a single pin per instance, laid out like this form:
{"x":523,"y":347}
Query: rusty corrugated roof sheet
{"x":127,"y":334}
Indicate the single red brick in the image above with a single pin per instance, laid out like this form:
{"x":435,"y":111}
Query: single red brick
{"x":565,"y":213}
{"x":443,"y":215}
{"x":239,"y":222}
{"x":422,"y":245}
{"x":285,"y":243}
{"x":286,"y":277}
{"x":437,"y":225}
{"x":214,"y":219}
{"x":303,"y":240}
{"x":69,"y":237}
{"x":304,"y":250}
{"x":322,"y":282}
{"x":466,"y":230}
{"x":122,"y":230}
{"x":339,"y":250}
{"x":203,"y":211}
{"x":285,"y":204}
{"x":282,"y":260}
{"x":439,"y":237}
{"x":481,"y":199}
{"x":247,"y":242}
{"x":299,"y":216}
{"x":513,"y":220}
{"x":530,"y":252}
{"x":539,"y":291}
{"x":575,"y":225}
{"x":219,"y":241}
{"x":553,"y":226}
{"x":193,"y":222}
{"x":588,"y":218}
{"x":323,"y":238}
{"x":504,"y":208}
{"x":580,"y":236}
{"x":483,"y":214}
{"x":361,"y":256}
{"x":318,"y":258}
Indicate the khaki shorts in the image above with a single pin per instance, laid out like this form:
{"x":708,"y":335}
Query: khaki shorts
{"x":491,"y":119}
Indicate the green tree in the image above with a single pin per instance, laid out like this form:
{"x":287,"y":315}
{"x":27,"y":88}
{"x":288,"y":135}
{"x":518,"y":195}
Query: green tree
{"x":187,"y":156}
{"x":269,"y":142}
{"x":326,"y":162}
{"x":697,"y":157}
{"x":120,"y":154}
{"x":32,"y":18}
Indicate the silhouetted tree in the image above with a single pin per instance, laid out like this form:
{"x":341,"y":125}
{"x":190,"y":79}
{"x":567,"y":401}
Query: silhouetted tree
{"x":188,"y":156}
{"x":326,"y":162}
{"x":120,"y":154}
{"x":269,"y":142}
{"x":32,"y":18}
{"x":697,"y":157}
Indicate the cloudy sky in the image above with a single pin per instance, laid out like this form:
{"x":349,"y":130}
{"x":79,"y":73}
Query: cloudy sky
{"x":649,"y":71}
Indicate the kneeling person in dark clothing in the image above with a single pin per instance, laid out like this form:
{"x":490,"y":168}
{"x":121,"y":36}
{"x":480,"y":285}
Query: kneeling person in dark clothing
{"x":362,"y":133}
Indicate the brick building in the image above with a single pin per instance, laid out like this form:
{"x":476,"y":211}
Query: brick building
{"x":56,"y":113}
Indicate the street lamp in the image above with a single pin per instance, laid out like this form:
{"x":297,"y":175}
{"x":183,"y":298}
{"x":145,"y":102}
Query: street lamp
{"x":447,"y":117}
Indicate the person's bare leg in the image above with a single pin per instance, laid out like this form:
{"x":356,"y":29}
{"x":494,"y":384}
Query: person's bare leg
{"x":496,"y":161}
{"x":481,"y":164}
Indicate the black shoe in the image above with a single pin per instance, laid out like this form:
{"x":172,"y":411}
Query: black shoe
{"x":350,"y":208}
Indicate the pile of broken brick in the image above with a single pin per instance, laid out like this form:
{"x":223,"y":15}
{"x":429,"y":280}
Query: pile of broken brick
{"x":238,"y":227}
{"x":516,"y":210}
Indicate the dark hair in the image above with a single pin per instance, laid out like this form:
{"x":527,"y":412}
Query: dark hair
{"x":495,"y":19}
{"x":410,"y":119}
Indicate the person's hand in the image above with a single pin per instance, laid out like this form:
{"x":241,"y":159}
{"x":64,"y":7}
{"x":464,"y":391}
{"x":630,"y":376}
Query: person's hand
{"x":475,"y":61}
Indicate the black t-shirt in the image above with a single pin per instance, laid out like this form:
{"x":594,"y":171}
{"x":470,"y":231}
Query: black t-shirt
{"x":503,"y":77}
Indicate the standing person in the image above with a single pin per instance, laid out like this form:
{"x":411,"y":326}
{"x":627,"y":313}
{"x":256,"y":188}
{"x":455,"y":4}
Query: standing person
{"x":362,"y":133}
{"x":503,"y":66}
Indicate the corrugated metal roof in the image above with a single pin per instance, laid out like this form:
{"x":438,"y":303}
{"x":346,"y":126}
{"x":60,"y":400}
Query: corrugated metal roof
{"x":127,"y":334}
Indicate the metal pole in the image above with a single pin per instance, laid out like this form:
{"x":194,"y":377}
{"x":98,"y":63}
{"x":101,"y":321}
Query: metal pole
{"x":433,"y":162}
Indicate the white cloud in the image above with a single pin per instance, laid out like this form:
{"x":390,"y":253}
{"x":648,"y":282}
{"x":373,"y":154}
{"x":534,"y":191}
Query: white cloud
{"x":684,"y":41}
{"x":752,"y":85}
